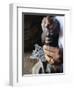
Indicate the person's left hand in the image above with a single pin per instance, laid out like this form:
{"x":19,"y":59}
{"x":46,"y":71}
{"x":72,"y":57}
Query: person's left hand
{"x":52,"y":54}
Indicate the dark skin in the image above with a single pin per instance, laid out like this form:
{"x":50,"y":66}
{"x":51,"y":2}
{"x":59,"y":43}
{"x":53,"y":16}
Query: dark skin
{"x":53,"y":54}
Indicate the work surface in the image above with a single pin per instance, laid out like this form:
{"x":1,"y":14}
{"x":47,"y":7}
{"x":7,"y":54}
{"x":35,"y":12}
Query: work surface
{"x":28,"y":63}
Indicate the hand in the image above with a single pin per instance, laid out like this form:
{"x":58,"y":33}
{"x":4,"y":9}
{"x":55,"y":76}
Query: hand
{"x":52,"y":54}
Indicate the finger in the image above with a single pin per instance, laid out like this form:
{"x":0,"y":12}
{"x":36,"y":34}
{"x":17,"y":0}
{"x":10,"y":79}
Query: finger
{"x":49,"y":59}
{"x":49,"y":48}
{"x":55,"y":56}
{"x":49,"y":53}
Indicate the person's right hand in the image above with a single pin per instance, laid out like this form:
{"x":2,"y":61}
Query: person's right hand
{"x":52,"y":54}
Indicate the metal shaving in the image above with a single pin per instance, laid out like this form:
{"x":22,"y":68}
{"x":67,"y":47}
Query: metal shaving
{"x":38,"y":53}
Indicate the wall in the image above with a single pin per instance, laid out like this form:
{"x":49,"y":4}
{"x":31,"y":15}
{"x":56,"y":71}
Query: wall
{"x":4,"y":42}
